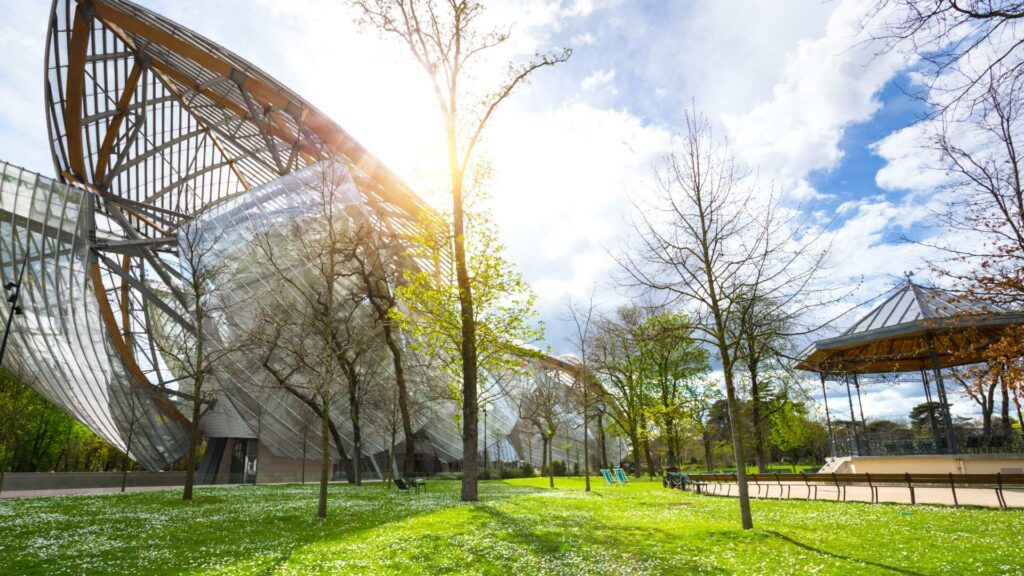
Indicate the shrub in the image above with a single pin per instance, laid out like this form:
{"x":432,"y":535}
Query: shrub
{"x":528,"y":471}
{"x":510,"y":473}
{"x":559,"y":468}
{"x":575,"y":468}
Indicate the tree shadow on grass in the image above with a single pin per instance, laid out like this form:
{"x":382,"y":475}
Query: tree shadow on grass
{"x":250,"y":531}
{"x":360,"y":527}
{"x":810,"y":548}
{"x":551,"y":542}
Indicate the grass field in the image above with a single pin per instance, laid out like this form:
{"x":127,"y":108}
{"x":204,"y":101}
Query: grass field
{"x":519,"y":527}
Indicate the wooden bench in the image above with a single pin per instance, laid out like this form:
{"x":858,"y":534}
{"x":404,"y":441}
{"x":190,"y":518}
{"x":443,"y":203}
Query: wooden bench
{"x":785,"y":482}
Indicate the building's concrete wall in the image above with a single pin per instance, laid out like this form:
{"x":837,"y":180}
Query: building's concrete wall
{"x":19,"y":481}
{"x":272,"y":469}
{"x":932,"y":464}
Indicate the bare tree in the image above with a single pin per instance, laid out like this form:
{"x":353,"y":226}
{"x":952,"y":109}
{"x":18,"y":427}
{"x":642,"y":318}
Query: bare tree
{"x":973,"y":67}
{"x":582,"y":315}
{"x":766,"y":333}
{"x":708,"y":241}
{"x":445,"y":39}
{"x":543,"y":406}
{"x":281,"y":345}
{"x":374,"y":257}
{"x":305,"y":257}
{"x":966,"y":47}
{"x":192,"y":347}
{"x":135,"y":413}
{"x":982,"y":158}
{"x":385,"y":414}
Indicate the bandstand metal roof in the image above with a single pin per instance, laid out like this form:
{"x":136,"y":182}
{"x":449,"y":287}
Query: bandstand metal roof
{"x":894,"y":336}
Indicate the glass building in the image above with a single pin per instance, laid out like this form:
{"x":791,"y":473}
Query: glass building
{"x":153,"y":128}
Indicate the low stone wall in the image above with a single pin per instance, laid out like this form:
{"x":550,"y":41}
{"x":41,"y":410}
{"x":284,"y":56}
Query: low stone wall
{"x":932,"y":464}
{"x":24,"y":481}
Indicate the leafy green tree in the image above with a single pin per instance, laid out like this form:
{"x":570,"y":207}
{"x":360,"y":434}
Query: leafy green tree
{"x":795,"y":434}
{"x":37,"y":436}
{"x":618,"y":361}
{"x":700,"y":397}
{"x":672,"y":363}
{"x":447,"y":39}
{"x":504,"y":316}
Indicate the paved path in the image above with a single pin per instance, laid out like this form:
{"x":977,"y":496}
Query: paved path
{"x":112,"y":489}
{"x":894,"y":494}
{"x":80,"y":491}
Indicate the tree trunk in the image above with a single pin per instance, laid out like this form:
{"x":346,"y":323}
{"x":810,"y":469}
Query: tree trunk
{"x":193,"y":442}
{"x":305,"y":434}
{"x":470,"y":444}
{"x":3,"y":468}
{"x":737,"y":447}
{"x":671,"y":441}
{"x":357,"y":434}
{"x":544,"y":454}
{"x":649,"y":457}
{"x":1004,"y":413}
{"x":1020,"y":418}
{"x":551,"y":462}
{"x":601,"y":440}
{"x":757,"y":421}
{"x":635,"y":441}
{"x":124,"y":464}
{"x":986,"y":423}
{"x":709,"y":459}
{"x":586,"y":448}
{"x":391,"y":462}
{"x":325,"y":459}
{"x":409,"y":460}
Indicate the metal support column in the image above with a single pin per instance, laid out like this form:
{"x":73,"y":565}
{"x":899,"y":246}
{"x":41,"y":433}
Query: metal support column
{"x":853,"y":418}
{"x":943,"y":400}
{"x":15,"y":308}
{"x":828,"y":417}
{"x":863,"y":423}
{"x":931,"y":413}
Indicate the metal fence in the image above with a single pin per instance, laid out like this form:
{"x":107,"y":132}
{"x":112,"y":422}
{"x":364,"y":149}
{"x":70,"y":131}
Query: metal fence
{"x":904,"y":442}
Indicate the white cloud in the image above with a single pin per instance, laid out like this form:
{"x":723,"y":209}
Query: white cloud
{"x":827,"y":84}
{"x":23,"y":135}
{"x":911,"y":164}
{"x":598,"y":78}
{"x":585,"y":39}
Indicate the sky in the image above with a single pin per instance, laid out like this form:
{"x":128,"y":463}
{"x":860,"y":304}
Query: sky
{"x":794,"y":86}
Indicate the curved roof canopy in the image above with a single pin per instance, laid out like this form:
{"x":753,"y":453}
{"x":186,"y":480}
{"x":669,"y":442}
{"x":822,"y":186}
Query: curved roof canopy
{"x":898,"y":334}
{"x":152,"y":126}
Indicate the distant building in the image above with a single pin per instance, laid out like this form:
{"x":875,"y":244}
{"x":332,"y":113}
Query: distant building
{"x":152,"y":125}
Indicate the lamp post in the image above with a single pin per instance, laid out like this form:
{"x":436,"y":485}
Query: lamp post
{"x":15,"y":289}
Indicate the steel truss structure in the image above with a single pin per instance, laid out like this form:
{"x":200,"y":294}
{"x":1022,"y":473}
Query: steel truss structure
{"x":152,"y":126}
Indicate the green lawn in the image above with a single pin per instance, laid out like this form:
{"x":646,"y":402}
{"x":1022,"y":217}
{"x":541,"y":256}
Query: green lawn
{"x":519,"y":527}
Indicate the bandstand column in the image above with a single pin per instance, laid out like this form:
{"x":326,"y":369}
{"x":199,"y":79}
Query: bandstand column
{"x":941,"y":389}
{"x":853,"y":418}
{"x":828,"y":417}
{"x":863,"y":423}
{"x":931,"y":413}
